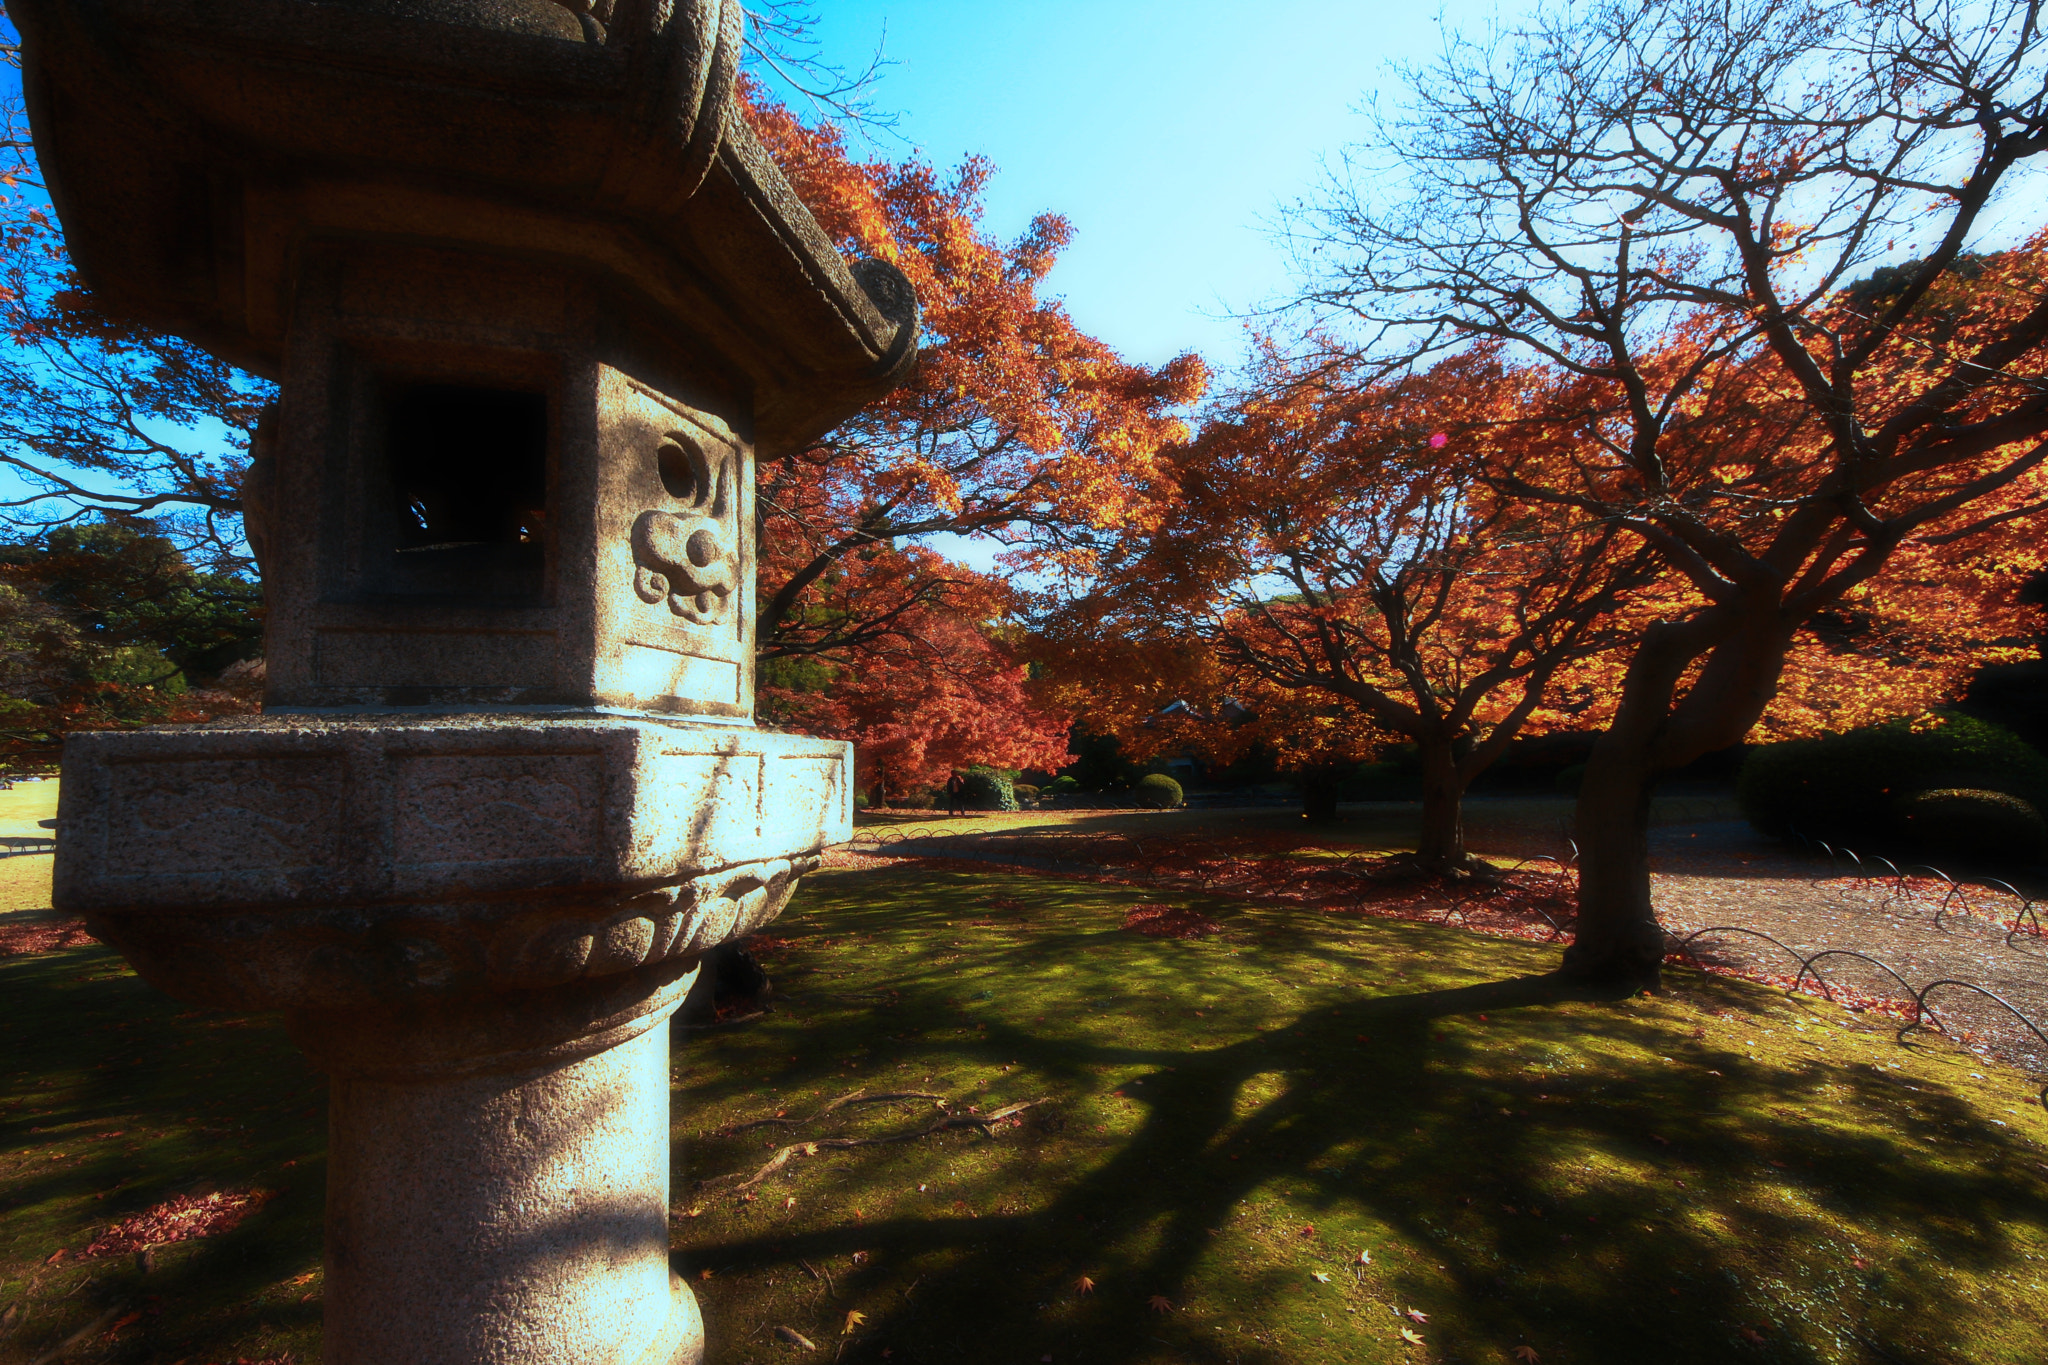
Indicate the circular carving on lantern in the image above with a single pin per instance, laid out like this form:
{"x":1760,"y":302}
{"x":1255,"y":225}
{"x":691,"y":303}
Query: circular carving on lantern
{"x":688,"y":559}
{"x":685,"y":470}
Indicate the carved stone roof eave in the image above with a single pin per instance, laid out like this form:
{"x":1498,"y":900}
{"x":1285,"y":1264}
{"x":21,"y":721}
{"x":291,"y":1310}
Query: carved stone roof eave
{"x":243,"y":99}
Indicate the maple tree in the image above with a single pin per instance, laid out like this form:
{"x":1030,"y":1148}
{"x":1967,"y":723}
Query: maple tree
{"x":1015,"y":425}
{"x":100,"y":417}
{"x":1356,"y":580}
{"x":925,"y":687}
{"x":1686,"y":207}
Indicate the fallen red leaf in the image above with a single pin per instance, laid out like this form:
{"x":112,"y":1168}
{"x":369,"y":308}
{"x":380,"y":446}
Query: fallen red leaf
{"x":125,"y":1320}
{"x":47,"y":937}
{"x":1169,"y":921}
{"x":1159,"y":1303}
{"x":181,"y":1218}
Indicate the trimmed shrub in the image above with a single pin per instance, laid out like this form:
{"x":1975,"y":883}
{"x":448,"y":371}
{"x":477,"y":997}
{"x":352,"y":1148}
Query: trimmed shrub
{"x":1025,"y":791}
{"x":1848,"y":788}
{"x":988,"y":789}
{"x":1571,"y":778}
{"x":1158,"y":791}
{"x":1967,"y":823}
{"x":922,"y":798}
{"x":1061,"y":786}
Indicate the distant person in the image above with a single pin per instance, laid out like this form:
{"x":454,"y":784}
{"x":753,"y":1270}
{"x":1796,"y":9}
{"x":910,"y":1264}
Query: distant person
{"x":956,"y":793}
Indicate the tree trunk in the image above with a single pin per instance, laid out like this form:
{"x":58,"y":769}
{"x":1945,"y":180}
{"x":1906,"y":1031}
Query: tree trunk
{"x":1442,"y":848}
{"x":1618,"y":941}
{"x":1319,"y":795}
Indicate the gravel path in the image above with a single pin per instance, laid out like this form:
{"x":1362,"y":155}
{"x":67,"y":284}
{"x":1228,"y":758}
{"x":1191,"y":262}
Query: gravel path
{"x":1723,"y":875}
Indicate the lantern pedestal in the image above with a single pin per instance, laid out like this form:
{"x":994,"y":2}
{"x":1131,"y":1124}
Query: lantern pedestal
{"x":535,"y":300}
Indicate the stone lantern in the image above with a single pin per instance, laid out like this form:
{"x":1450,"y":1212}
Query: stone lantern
{"x":535,"y":298}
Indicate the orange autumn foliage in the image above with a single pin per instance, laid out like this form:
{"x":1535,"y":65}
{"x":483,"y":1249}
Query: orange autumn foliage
{"x":1015,"y":422}
{"x":1015,"y":425}
{"x":1759,"y":257}
{"x":930,"y":686}
{"x":1325,"y":554}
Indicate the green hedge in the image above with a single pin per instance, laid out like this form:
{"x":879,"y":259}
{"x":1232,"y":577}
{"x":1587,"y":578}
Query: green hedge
{"x":1960,"y":822}
{"x":988,"y":789}
{"x":1158,"y":791}
{"x":1851,"y":788}
{"x":1061,"y":786}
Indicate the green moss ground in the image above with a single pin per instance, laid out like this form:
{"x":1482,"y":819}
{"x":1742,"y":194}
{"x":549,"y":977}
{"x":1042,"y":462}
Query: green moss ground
{"x":1498,"y":826}
{"x":1224,"y":1121}
{"x":113,"y":1098}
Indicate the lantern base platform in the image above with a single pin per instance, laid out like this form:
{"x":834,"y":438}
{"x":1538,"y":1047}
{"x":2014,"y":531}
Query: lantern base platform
{"x":335,"y":862}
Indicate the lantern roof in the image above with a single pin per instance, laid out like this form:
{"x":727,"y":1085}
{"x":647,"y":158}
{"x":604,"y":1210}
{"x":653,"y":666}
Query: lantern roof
{"x":193,"y":148}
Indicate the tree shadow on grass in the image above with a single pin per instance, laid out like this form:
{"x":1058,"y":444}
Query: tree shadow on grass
{"x":1604,"y":1217}
{"x":146,"y":1100}
{"x":1386,"y":1140}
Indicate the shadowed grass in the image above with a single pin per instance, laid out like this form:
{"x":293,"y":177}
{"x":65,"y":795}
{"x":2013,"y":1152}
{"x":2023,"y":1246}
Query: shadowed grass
{"x":1225,"y":1120}
{"x":1503,"y":827}
{"x":114,"y":1098}
{"x":1716,"y":1173}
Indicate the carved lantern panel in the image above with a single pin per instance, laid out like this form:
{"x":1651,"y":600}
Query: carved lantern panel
{"x":675,"y":589}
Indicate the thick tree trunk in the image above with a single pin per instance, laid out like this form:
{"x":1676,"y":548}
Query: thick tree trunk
{"x":1618,"y":941}
{"x":1442,"y":848}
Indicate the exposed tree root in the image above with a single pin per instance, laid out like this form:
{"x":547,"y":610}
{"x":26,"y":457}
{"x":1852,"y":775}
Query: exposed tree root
{"x":1400,"y":867}
{"x":850,"y":1097}
{"x":782,"y":1155}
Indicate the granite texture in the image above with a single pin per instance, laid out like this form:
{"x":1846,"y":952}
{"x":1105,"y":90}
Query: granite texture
{"x":340,"y":860}
{"x":193,"y":147}
{"x":612,"y":565}
{"x":507,"y":1217}
{"x":535,"y":298}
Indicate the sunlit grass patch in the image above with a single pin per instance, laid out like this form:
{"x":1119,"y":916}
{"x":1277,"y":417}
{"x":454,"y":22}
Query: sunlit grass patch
{"x":1507,"y":827}
{"x":1719,"y":1172}
{"x":1219,"y":1127}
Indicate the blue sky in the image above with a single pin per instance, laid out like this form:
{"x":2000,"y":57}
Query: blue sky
{"x":1164,"y":131}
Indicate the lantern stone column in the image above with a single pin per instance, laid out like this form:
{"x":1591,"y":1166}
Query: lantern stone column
{"x":536,"y":301}
{"x":507,"y":1206}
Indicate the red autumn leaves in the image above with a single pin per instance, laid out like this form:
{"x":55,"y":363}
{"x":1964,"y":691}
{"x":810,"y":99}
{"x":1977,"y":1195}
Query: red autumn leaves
{"x":181,"y":1218}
